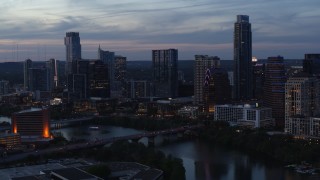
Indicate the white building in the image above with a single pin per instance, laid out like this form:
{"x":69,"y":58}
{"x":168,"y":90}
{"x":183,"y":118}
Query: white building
{"x":244,"y":115}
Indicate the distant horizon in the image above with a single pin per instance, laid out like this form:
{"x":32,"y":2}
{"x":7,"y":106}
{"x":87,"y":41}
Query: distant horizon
{"x":36,"y":29}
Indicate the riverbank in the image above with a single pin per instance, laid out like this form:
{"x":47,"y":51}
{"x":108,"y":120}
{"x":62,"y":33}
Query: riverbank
{"x":282,"y":148}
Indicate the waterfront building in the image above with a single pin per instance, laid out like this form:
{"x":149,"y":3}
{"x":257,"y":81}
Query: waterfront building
{"x":31,"y":124}
{"x":108,"y":58}
{"x":10,"y":140}
{"x":243,"y":72}
{"x":73,"y":49}
{"x":274,"y":88}
{"x":244,"y":115}
{"x":26,"y":66}
{"x":301,"y":100}
{"x":202,"y":63}
{"x":165,"y":73}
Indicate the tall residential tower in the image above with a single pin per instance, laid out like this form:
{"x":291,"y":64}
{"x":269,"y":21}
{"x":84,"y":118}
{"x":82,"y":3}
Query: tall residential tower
{"x":202,"y":63}
{"x":243,"y":71}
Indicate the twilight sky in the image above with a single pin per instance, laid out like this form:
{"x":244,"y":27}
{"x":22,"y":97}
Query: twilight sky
{"x":36,"y":28}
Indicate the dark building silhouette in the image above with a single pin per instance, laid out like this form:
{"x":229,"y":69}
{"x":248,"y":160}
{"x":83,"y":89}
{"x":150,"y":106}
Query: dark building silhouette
{"x":165,"y":72}
{"x":89,"y":79}
{"x":53,"y":66}
{"x":26,"y":66}
{"x":39,"y":79}
{"x":311,"y":64}
{"x":98,"y":79}
{"x":243,"y":71}
{"x":258,"y":81}
{"x":217,"y":89}
{"x":274,"y":89}
{"x":73,"y":49}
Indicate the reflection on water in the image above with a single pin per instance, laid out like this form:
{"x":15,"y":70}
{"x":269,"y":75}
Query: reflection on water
{"x":200,"y":160}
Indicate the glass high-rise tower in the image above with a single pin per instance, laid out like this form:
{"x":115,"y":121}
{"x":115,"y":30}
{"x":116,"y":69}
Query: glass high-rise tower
{"x":165,"y":72}
{"x":243,"y":69}
{"x":73,"y":49}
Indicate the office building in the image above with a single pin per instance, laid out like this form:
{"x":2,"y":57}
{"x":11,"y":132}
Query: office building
{"x":311,"y":64}
{"x":165,"y":73}
{"x":53,"y":67}
{"x":26,"y":66}
{"x":39,"y":79}
{"x":99,"y":85}
{"x":4,"y":87}
{"x":73,"y":49}
{"x":202,"y":63}
{"x":120,"y":73}
{"x":31,"y":124}
{"x":301,"y":100}
{"x":274,"y":88}
{"x":244,"y":115}
{"x":108,"y":58}
{"x":216,"y":89}
{"x":138,"y":89}
{"x":243,"y":72}
{"x":258,"y":80}
{"x":78,"y":83}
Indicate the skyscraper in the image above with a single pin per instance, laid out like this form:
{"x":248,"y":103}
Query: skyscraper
{"x":108,"y":58}
{"x":274,"y":88}
{"x":243,"y":72}
{"x":73,"y":49}
{"x":26,"y":66}
{"x":216,"y":89}
{"x":202,"y":63}
{"x":165,"y":72}
{"x":311,"y":64}
{"x":39,"y":79}
{"x":120,"y":72}
{"x":53,"y":67}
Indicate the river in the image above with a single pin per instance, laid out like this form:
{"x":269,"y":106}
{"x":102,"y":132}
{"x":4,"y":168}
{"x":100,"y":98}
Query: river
{"x":201,"y":161}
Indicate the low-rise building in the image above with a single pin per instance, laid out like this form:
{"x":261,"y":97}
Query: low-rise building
{"x":244,"y":115}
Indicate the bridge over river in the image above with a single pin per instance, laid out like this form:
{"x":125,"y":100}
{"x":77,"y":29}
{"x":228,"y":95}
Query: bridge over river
{"x":101,"y":142}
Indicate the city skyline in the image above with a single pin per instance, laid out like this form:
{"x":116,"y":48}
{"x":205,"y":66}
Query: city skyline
{"x":133,"y":29}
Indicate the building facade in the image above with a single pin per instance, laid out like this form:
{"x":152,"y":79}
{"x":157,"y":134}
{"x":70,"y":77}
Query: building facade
{"x":32,"y":123}
{"x":73,"y":49}
{"x":39,"y":79}
{"x":53,"y":67}
{"x":244,"y":115}
{"x":202,"y":63}
{"x":311,"y":64}
{"x":274,"y":88}
{"x":243,"y":70}
{"x":165,"y":72}
{"x":301,"y":100}
{"x":138,"y":89}
{"x":216,"y":89}
{"x":4,"y":87}
{"x":26,"y":73}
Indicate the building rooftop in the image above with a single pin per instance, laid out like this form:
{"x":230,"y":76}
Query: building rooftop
{"x":150,"y":174}
{"x":72,"y":174}
{"x":30,"y":110}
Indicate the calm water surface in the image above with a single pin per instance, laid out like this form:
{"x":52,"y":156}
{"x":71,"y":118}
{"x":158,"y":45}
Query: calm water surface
{"x":201,"y":160}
